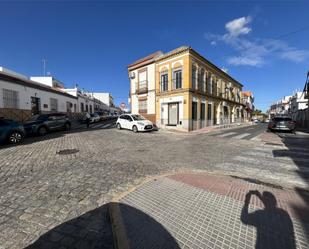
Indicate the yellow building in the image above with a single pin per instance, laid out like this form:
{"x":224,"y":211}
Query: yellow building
{"x":184,"y":90}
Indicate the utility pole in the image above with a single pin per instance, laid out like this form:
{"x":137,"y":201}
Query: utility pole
{"x":306,"y":89}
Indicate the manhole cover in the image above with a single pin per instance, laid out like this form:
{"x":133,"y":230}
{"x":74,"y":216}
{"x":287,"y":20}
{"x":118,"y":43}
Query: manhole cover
{"x":67,"y":151}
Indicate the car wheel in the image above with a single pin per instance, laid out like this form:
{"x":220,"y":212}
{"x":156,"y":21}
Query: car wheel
{"x":134,"y":129}
{"x":67,"y":126}
{"x":15,"y":137}
{"x":42,"y":131}
{"x":118,"y":126}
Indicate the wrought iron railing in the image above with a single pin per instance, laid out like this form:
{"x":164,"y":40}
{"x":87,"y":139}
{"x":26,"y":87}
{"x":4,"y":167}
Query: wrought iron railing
{"x":141,"y":87}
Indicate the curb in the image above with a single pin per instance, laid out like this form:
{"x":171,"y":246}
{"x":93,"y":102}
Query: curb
{"x":119,"y":232}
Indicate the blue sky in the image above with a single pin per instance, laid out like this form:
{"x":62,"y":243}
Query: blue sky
{"x":91,"y":43}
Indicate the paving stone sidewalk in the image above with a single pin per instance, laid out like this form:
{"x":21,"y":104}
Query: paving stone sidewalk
{"x":208,"y":211}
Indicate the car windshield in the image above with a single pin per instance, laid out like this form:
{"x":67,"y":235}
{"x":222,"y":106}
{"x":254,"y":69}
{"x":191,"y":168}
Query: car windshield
{"x":38,"y":117}
{"x":138,"y":117}
{"x":279,"y":119}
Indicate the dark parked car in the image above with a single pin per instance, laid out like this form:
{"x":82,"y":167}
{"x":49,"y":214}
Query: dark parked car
{"x":281,"y":123}
{"x":41,"y":124}
{"x":11,"y":131}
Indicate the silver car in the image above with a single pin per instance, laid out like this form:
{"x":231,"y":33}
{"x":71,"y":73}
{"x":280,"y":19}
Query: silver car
{"x":281,"y":123}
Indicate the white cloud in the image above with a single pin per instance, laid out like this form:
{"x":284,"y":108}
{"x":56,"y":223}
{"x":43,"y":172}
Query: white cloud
{"x":295,"y":55}
{"x":238,"y":26}
{"x":251,"y":51}
{"x":213,"y":43}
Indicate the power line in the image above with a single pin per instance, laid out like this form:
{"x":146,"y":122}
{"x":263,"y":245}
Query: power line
{"x":279,"y":36}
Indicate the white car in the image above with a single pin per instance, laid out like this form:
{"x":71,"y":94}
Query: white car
{"x":94,"y":117}
{"x":134,"y":122}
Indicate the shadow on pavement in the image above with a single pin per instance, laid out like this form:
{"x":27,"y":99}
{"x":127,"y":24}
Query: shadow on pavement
{"x":273,"y":225}
{"x":93,"y":230}
{"x":298,"y":151}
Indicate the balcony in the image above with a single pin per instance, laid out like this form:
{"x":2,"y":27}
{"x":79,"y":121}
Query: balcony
{"x":141,"y":87}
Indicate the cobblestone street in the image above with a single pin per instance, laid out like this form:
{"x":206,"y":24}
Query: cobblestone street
{"x":43,"y":187}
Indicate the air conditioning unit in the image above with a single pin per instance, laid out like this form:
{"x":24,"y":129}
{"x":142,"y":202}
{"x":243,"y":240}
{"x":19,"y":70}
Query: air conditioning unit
{"x":132,"y":75}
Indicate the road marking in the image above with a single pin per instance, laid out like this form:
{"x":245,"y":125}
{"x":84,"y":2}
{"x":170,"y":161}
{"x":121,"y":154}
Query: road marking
{"x":96,"y":125}
{"x":256,"y":138}
{"x":252,"y":128}
{"x":226,"y":134}
{"x":242,"y":136}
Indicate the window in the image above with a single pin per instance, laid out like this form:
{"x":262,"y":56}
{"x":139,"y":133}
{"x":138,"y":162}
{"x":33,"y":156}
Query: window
{"x":164,"y":82}
{"x":82,"y":107}
{"x":214,"y":86}
{"x":69,"y":106}
{"x":10,"y":99}
{"x":177,"y":78}
{"x":194,"y":110}
{"x":202,"y":111}
{"x":209,"y":112}
{"x":209,"y":83}
{"x":142,"y":105}
{"x":203,"y":80}
{"x":90,"y":107}
{"x":53,"y":105}
{"x":86,"y":108}
{"x":142,"y":86}
{"x":194,"y":78}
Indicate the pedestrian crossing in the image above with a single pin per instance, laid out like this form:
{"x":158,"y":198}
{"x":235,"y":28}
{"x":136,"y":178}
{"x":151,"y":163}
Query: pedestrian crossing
{"x":275,"y":163}
{"x":226,"y":134}
{"x":99,"y":125}
{"x":241,"y":136}
{"x":247,"y":135}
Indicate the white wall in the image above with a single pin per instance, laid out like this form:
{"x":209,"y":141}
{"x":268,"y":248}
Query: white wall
{"x":151,"y":99}
{"x":25,"y":94}
{"x":48,"y":81}
{"x":104,"y":97}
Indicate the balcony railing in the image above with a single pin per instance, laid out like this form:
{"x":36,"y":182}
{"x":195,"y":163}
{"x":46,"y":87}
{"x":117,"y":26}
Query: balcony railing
{"x":141,"y":87}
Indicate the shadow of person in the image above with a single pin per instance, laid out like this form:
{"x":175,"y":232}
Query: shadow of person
{"x":274,"y":225}
{"x":93,"y":230}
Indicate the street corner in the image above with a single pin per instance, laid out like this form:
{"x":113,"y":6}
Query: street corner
{"x":198,"y":210}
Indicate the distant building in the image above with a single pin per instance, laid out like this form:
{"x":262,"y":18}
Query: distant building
{"x":298,"y":102}
{"x":106,"y":98}
{"x":282,"y":107}
{"x":20,"y":97}
{"x":248,"y":100}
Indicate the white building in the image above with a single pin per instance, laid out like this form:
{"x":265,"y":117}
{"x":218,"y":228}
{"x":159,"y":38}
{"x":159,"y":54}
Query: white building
{"x":20,"y":98}
{"x":106,"y":98}
{"x":143,"y":88}
{"x":282,"y":106}
{"x":298,"y":102}
{"x":49,"y":81}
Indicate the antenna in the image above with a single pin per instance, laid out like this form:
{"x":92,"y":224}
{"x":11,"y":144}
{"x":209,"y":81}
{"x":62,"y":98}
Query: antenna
{"x":44,"y":67}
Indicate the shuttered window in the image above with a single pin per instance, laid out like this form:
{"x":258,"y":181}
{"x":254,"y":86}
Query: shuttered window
{"x":142,"y":106}
{"x":10,"y":99}
{"x":53,"y":105}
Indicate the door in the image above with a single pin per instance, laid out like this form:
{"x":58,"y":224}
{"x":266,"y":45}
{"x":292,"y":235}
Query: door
{"x":173,"y":113}
{"x":35,"y":105}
